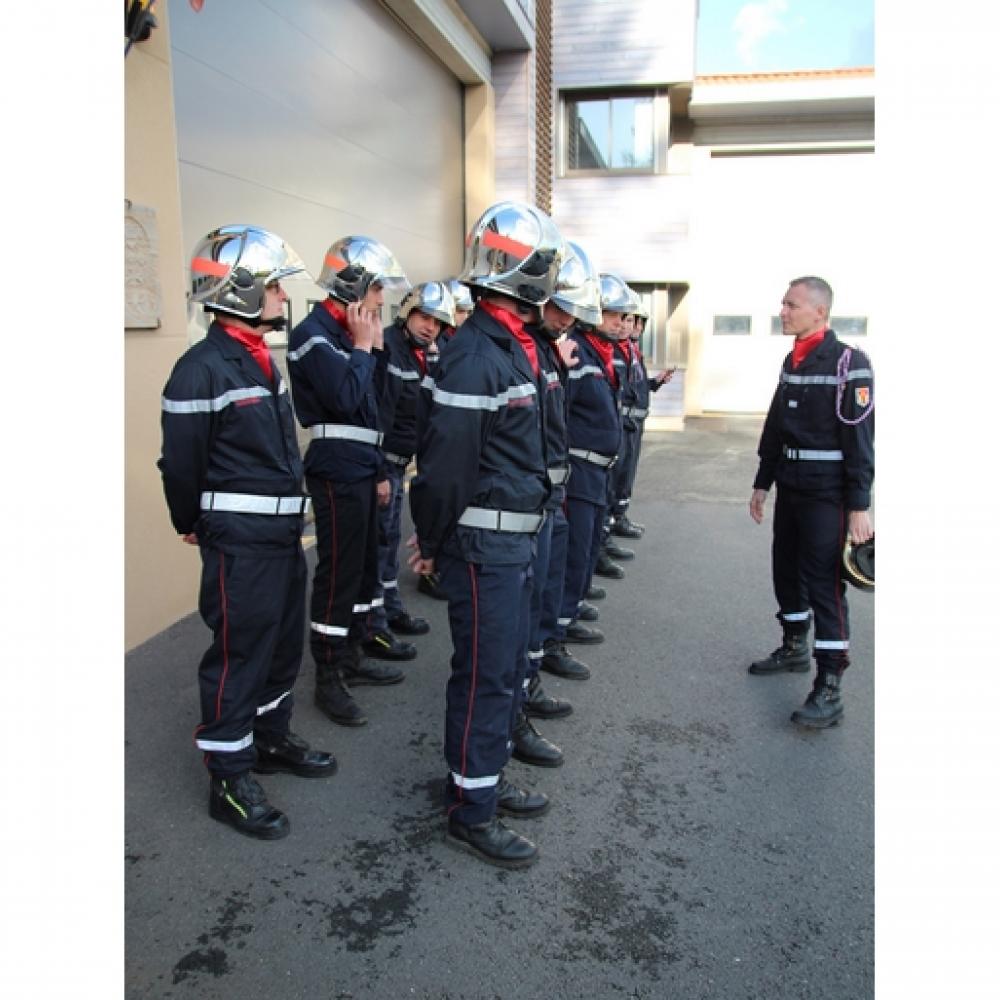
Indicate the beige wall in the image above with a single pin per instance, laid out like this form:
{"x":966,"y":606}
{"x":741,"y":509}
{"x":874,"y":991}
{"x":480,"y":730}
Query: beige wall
{"x":161,"y":572}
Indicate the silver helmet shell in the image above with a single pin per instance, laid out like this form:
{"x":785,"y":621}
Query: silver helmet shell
{"x":616,"y":296}
{"x":232,"y":265}
{"x":431,"y":297}
{"x":460,"y":293}
{"x":516,"y":250}
{"x":354,"y":263}
{"x":578,"y":287}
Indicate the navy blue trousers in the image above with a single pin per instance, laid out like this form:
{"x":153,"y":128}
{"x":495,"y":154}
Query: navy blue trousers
{"x":389,"y":538}
{"x":582,"y":549}
{"x":255,"y":608}
{"x":489,"y":612}
{"x":806,"y":554}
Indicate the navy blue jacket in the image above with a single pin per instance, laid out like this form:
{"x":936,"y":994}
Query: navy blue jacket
{"x":228,"y":428}
{"x":481,"y":444}
{"x":628,"y":380}
{"x":593,"y":421}
{"x":333,"y":383}
{"x":555,"y":375}
{"x":400,"y":393}
{"x":803,"y":416}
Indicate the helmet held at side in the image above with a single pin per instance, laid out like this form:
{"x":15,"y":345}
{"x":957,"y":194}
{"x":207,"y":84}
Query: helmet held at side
{"x":616,"y":296}
{"x":859,"y":564}
{"x":578,"y":287}
{"x":232,"y":266}
{"x":514,"y":249}
{"x":431,"y":297}
{"x":354,"y":263}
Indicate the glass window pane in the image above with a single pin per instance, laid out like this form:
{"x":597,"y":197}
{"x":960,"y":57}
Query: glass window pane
{"x":632,"y":132}
{"x":588,"y":135}
{"x":849,"y":326}
{"x":728,"y":325}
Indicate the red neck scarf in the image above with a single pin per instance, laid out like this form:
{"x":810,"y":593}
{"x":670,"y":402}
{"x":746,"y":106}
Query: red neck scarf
{"x":804,"y":347}
{"x":513,"y":323}
{"x":420,"y":355}
{"x":606,"y":349}
{"x":339,"y":313}
{"x":254,"y":343}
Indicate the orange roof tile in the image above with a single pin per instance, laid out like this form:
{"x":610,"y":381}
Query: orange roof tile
{"x":799,"y":74}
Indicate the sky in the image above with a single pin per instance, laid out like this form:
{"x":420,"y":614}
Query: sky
{"x":763,"y":36}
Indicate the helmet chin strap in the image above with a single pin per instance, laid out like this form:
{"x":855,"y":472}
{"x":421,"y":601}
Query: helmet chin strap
{"x":275,"y":324}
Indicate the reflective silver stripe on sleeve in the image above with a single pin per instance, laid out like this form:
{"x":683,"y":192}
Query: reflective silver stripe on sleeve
{"x":831,"y":644}
{"x":859,"y":373}
{"x":248,"y":503}
{"x":582,"y":371}
{"x":328,"y":629}
{"x":213,"y":405}
{"x":312,"y":342}
{"x":264,"y":709}
{"x":466,"y":401}
{"x":635,"y":411}
{"x":558,"y":474}
{"x":404,"y":375}
{"x":400,"y":460}
{"x":594,"y":457}
{"x":225,"y":746}
{"x":488,"y":782}
{"x":535,"y":654}
{"x":346,"y":432}
{"x":552,"y":378}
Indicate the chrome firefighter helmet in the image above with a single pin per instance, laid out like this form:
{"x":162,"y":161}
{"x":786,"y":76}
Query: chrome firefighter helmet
{"x":616,"y":296}
{"x":578,"y":288}
{"x":232,"y":265}
{"x":431,"y":297}
{"x":514,"y":249}
{"x":460,"y":293}
{"x":859,"y":564}
{"x":355,"y":263}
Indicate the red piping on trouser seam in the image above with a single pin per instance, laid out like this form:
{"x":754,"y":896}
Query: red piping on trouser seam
{"x":472,"y":689}
{"x":225,"y":635}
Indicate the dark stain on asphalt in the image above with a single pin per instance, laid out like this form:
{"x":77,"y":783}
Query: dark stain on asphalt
{"x":228,"y":930}
{"x":696,"y":735}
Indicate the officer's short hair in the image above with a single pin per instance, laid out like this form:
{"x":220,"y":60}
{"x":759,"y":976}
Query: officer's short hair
{"x":821,"y":291}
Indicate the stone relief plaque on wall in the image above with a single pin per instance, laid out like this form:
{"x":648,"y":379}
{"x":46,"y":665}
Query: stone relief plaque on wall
{"x":142,"y":256}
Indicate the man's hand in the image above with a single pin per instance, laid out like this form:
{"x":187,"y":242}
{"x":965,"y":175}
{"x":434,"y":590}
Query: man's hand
{"x":859,"y":526}
{"x":191,"y":538}
{"x":757,"y":500}
{"x":664,"y":377}
{"x":364,"y":327}
{"x":383,"y":492}
{"x":567,"y":351}
{"x":416,"y":562}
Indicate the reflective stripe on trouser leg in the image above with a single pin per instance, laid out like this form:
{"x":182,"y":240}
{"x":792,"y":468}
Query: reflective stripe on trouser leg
{"x":250,"y":604}
{"x":634,"y":461}
{"x":552,"y":586}
{"x":346,"y":562}
{"x":583,"y":545}
{"x":807,"y":552}
{"x":484,"y":605}
{"x":620,"y":473}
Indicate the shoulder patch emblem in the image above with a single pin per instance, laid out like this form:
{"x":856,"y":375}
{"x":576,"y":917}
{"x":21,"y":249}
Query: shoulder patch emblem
{"x":862,"y":395}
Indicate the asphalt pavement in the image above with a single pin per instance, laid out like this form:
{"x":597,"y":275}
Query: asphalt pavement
{"x":699,"y":845}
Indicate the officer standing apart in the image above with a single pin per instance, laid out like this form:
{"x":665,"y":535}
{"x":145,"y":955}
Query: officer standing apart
{"x":232,"y":477}
{"x":336,"y":362}
{"x":477,"y":502}
{"x":818,"y":446}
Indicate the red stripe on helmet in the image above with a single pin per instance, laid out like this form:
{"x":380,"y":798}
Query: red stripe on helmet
{"x":493,"y":239}
{"x":205,"y":266}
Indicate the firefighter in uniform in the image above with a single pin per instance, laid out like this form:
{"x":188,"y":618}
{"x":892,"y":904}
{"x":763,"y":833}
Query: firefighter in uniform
{"x":594,"y":437}
{"x":818,"y":446}
{"x":232,"y":476}
{"x":409,"y":341}
{"x":477,"y":502}
{"x":336,"y":364}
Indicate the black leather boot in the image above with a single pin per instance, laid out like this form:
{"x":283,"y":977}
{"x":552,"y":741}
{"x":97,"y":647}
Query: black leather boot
{"x":614,"y":550}
{"x":493,"y":843}
{"x":358,"y":671}
{"x":792,"y":656}
{"x":624,"y":528}
{"x":404,"y":623}
{"x":608,"y":568}
{"x":823,"y":707}
{"x":558,"y":660}
{"x":384,"y":646}
{"x":587,"y":612}
{"x":595,"y":593}
{"x":334,"y":700}
{"x":430,"y":584}
{"x":539,"y":705}
{"x":530,"y":747}
{"x":241,"y":802}
{"x":519,"y":802}
{"x":292,"y":754}
{"x":575,"y":632}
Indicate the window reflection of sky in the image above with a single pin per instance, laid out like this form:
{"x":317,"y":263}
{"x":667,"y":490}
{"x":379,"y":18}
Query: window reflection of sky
{"x":615,"y":134}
